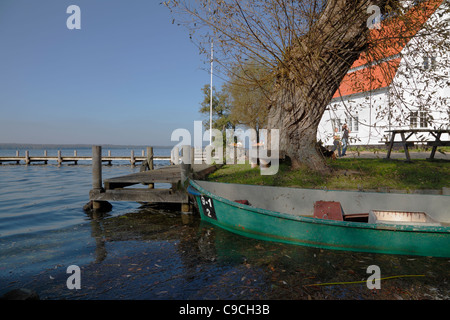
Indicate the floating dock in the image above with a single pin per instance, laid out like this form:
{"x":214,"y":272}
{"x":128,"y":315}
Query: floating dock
{"x":118,"y":188}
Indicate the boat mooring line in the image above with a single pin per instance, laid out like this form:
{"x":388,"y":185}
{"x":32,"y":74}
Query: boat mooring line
{"x":365,"y":281}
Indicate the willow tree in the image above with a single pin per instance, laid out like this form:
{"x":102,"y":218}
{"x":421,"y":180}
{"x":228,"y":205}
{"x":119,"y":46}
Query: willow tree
{"x":308,"y":45}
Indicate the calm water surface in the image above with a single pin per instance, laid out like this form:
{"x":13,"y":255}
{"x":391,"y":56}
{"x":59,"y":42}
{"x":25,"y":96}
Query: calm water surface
{"x":143,"y":252}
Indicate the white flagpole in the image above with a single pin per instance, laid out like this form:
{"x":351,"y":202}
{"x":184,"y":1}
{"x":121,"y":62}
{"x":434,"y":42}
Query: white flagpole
{"x":211,"y":87}
{"x":211,"y":94}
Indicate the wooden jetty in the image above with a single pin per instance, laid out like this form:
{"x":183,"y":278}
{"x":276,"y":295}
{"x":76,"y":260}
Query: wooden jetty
{"x":117,"y":189}
{"x":60,"y":159}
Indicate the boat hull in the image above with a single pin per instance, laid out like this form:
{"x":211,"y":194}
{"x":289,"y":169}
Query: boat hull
{"x":328,"y":234}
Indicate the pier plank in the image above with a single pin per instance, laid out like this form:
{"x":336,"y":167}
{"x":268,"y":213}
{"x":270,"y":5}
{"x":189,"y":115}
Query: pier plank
{"x":144,"y":195}
{"x":163,"y":175}
{"x":114,"y":187}
{"x":169,"y":174}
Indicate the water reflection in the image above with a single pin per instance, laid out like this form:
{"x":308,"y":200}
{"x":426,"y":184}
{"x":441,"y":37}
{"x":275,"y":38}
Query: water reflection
{"x":97,"y":234}
{"x":159,"y":253}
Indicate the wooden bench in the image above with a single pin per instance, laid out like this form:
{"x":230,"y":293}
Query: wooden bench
{"x":436,"y":133}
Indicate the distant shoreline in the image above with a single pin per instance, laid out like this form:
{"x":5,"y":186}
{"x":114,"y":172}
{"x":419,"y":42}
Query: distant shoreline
{"x":55,"y":146}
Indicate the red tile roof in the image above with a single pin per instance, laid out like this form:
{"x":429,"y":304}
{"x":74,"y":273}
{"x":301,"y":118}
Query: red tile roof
{"x":384,"y":44}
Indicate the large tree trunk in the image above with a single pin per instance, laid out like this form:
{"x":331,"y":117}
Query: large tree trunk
{"x":310,"y":75}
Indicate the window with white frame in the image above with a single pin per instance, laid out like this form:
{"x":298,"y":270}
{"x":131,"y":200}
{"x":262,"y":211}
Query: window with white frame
{"x":423,"y":119}
{"x":336,"y":123}
{"x":429,"y":62}
{"x":413,"y":119}
{"x":418,"y":119}
{"x":353,"y":122}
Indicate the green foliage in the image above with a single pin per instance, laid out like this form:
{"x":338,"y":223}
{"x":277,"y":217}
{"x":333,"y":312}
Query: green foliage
{"x":221,"y":108}
{"x":243,"y":100}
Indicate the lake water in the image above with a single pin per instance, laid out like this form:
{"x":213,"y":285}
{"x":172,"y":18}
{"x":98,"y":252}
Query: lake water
{"x":145,"y":252}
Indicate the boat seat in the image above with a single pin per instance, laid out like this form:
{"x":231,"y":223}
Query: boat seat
{"x":330,"y":210}
{"x":242,"y":202}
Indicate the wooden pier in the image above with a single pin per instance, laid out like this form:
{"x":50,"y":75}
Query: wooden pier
{"x":60,"y":159}
{"x":117,"y":189}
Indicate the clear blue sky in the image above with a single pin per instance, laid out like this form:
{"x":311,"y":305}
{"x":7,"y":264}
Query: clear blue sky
{"x":129,"y":76}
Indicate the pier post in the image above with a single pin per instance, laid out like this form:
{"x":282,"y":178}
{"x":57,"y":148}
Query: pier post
{"x":97,"y":168}
{"x":175,"y":156}
{"x":185,"y":165}
{"x":96,"y":174}
{"x":97,"y":207}
{"x":150,"y":164}
{"x":132,"y":158}
{"x":59,"y":158}
{"x":27,"y":157}
{"x":185,"y":168}
{"x":150,"y":158}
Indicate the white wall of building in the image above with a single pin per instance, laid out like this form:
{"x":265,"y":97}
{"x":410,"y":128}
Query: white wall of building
{"x":419,"y":96}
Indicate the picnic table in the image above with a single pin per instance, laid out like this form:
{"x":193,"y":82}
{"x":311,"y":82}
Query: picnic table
{"x":405,"y":134}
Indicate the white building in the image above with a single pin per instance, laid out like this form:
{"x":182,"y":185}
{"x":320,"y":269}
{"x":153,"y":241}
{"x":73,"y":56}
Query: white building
{"x":396,"y":85}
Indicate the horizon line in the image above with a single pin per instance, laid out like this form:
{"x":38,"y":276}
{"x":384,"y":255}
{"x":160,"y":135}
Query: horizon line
{"x":81,"y":145}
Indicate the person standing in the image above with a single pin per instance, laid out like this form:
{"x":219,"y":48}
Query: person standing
{"x":336,"y":141}
{"x":345,"y":133}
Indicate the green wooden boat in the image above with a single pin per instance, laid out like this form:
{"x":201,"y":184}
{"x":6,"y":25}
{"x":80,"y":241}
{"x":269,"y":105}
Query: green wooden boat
{"x":390,"y":223}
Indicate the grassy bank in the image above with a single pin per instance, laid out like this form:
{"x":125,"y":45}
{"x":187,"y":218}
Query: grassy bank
{"x":347,"y":174}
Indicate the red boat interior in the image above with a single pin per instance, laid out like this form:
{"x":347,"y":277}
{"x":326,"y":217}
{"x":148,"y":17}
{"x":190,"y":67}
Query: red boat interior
{"x":332,"y":210}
